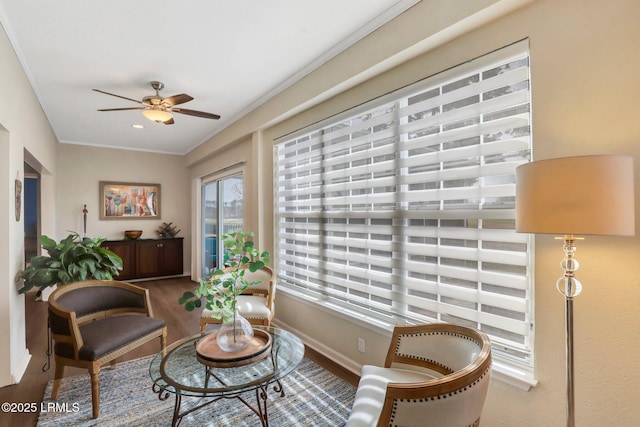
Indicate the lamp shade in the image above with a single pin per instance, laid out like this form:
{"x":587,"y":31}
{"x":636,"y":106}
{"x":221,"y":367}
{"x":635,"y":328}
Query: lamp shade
{"x":157,"y":116}
{"x":576,"y":195}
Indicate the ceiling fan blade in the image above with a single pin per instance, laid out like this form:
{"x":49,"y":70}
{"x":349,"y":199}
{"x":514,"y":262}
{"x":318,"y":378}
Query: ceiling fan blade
{"x":195,"y":113}
{"x":119,"y":96}
{"x":169,"y":122}
{"x":178,"y":99}
{"x":122,"y":109}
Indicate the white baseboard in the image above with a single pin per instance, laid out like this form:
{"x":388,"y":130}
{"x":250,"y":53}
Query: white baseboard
{"x":22,"y":367}
{"x":148,"y":279}
{"x":328,"y":352}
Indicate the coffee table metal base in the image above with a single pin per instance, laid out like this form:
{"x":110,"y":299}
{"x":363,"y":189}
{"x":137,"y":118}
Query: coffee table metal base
{"x":260,"y":411}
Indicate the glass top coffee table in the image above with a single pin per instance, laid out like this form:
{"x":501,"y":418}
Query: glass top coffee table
{"x":177,"y":371}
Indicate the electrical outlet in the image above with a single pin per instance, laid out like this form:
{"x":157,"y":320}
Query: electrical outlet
{"x":361,"y":345}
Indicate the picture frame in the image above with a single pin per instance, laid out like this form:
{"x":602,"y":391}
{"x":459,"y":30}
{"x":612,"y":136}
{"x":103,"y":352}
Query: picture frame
{"x":129,"y":200}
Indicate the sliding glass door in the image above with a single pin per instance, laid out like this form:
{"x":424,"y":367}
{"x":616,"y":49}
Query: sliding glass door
{"x":222,"y":212}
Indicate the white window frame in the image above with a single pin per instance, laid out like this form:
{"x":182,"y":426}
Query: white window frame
{"x":402,"y":210}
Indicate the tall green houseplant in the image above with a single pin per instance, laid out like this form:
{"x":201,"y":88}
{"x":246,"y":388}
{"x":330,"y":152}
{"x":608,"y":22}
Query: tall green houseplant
{"x":221,"y":289}
{"x":72,"y":260}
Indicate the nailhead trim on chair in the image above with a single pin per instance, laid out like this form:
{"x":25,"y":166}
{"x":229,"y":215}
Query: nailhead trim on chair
{"x":395,"y":404}
{"x":437,"y":333}
{"x":410,"y":356}
{"x":442,"y":396}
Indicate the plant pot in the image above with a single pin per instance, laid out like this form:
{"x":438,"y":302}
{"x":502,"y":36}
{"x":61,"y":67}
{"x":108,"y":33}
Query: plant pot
{"x":235,"y":334}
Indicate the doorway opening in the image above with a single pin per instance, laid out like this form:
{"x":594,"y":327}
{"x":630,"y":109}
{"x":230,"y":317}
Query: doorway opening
{"x":31,"y":196}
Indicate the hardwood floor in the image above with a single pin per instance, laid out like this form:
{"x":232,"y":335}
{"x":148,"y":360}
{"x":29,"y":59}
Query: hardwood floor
{"x":180,"y":323}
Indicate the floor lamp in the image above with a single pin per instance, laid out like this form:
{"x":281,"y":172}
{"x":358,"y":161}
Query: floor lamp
{"x":572,"y":196}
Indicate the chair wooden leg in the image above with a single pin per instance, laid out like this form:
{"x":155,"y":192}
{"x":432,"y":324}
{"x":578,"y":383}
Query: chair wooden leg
{"x":163,"y":339}
{"x":57,"y":380}
{"x":94,"y":372}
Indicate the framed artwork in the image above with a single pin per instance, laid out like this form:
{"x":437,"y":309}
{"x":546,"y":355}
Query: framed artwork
{"x":127,"y":200}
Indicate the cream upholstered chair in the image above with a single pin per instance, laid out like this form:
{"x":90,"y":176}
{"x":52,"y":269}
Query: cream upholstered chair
{"x":256,"y":303}
{"x":435,"y":375}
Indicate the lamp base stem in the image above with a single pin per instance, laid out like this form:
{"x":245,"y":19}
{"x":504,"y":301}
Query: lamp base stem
{"x":569,"y":358}
{"x":570,"y":287}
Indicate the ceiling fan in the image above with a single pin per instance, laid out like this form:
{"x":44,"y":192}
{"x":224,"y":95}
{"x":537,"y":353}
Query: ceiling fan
{"x":159,"y":109}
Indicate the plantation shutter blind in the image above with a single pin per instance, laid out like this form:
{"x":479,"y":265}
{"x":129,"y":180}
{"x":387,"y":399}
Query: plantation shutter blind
{"x":403,"y":211}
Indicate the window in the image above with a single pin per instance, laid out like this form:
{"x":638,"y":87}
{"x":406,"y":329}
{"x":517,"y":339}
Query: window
{"x":222,"y":204}
{"x":403,"y":210}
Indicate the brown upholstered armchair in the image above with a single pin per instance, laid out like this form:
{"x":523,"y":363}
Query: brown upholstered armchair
{"x":96,"y":321}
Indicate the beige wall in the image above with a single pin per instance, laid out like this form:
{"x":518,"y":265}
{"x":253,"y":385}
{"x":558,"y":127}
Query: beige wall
{"x":69,"y":179}
{"x":584,"y":64}
{"x":81,"y":168}
{"x":23,"y":126}
{"x":250,"y":156}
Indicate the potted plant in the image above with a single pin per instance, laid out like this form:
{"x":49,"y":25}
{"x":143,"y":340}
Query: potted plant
{"x":73,"y":259}
{"x":221,"y":289}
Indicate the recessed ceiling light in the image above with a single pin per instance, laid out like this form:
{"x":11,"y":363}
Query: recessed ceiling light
{"x":137,"y":126}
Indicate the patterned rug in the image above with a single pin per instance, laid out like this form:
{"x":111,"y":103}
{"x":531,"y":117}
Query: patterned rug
{"x":314,"y":397}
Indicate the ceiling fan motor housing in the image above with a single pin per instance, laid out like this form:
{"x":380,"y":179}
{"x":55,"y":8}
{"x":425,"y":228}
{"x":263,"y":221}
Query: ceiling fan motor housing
{"x":152,"y":100}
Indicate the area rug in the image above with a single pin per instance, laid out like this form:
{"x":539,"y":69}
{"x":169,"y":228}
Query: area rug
{"x":314,"y":397}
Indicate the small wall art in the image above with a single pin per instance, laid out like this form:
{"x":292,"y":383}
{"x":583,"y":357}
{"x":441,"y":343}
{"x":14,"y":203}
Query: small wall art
{"x":18,"y":188}
{"x":127,"y":200}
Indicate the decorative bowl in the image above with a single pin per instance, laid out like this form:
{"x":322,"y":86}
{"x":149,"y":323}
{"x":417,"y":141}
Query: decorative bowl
{"x":133,"y":234}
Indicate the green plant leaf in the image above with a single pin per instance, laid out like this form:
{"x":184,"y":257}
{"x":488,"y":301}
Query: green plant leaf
{"x":222,"y":287}
{"x":190,"y":306}
{"x":47,"y":243}
{"x":255,"y":266}
{"x":64,"y":277}
{"x":100,"y":275}
{"x":72,"y":259}
{"x":39,"y":261}
{"x":187,"y":295}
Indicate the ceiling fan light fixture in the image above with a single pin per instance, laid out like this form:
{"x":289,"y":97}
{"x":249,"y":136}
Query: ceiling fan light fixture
{"x":157,"y":116}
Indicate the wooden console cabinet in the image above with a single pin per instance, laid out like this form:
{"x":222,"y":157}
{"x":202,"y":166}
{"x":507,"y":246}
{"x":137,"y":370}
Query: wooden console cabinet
{"x":148,"y":257}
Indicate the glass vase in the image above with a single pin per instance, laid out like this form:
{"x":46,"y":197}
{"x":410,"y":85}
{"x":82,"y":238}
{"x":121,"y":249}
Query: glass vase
{"x":235,"y":334}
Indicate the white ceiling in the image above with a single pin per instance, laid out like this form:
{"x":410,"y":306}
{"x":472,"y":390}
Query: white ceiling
{"x":230,"y":55}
